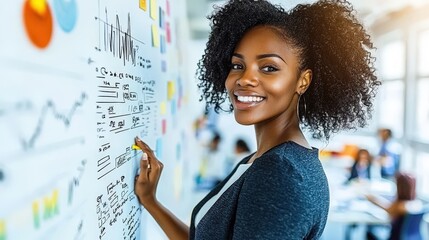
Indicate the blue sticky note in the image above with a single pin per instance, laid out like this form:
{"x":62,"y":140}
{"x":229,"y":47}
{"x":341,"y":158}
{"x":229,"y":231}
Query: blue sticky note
{"x":158,"y":151}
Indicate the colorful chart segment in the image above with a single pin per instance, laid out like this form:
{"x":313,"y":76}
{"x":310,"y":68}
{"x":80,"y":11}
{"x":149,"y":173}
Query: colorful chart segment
{"x":38,"y":22}
{"x":50,"y":208}
{"x":2,"y":230}
{"x":66,"y":14}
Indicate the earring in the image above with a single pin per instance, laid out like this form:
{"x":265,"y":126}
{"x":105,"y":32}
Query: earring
{"x":303,"y":108}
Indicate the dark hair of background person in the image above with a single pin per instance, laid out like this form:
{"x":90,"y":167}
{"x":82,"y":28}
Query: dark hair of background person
{"x":328,"y":39}
{"x":406,"y":186}
{"x":241,"y":144}
{"x":357,"y":157}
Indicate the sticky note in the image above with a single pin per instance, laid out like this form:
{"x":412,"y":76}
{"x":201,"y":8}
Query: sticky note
{"x":163,"y":108}
{"x":143,"y":4}
{"x":173,"y":107}
{"x":167,"y":6}
{"x":171,"y":89}
{"x":153,"y":9}
{"x":161,"y":18}
{"x":39,"y":6}
{"x":155,"y":35}
{"x":163,"y":49}
{"x":158,"y":150}
{"x":164,"y":126}
{"x":168,"y":31}
{"x":163,"y":66}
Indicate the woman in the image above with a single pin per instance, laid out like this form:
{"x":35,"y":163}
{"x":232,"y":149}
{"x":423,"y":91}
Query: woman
{"x":310,"y":66}
{"x":361,"y":169}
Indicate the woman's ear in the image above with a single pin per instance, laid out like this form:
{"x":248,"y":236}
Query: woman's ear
{"x":304,"y":81}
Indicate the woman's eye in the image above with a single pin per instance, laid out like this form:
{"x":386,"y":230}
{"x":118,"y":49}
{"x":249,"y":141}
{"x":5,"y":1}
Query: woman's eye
{"x":269,"y":69}
{"x":235,"y":66}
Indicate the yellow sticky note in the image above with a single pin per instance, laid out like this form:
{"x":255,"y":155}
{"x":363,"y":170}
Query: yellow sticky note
{"x":153,"y":9}
{"x":155,"y":35}
{"x":39,"y":6}
{"x":143,"y":4}
{"x":163,"y":108}
{"x":171,"y":89}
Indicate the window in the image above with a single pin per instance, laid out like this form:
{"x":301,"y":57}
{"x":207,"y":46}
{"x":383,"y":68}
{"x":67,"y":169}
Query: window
{"x":391,"y":94}
{"x":392,"y":60}
{"x":422,"y":168}
{"x":422,"y":113}
{"x":391,"y":107}
{"x":423,"y":53}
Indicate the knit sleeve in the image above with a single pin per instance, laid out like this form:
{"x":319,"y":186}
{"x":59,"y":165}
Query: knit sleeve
{"x":274,"y":203}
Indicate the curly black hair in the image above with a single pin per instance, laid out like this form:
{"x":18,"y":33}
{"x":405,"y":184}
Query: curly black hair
{"x":328,"y":39}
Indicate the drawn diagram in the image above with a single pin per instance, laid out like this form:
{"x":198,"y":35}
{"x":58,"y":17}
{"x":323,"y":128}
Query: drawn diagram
{"x":112,"y":38}
{"x":50,"y":108}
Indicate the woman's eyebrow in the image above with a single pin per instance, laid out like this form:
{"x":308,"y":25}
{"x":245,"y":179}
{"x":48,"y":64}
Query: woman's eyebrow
{"x":238,"y":55}
{"x":268,"y":55}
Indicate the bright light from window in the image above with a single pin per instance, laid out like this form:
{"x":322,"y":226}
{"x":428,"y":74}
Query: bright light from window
{"x":423,"y":53}
{"x":422,"y":168}
{"x":391,"y":108}
{"x":392,"y":60}
{"x":422,"y":109}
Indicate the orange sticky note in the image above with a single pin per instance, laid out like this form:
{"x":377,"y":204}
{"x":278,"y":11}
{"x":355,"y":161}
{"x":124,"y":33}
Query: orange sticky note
{"x":171,"y":89}
{"x":155,"y":35}
{"x":153,"y":9}
{"x":143,"y":4}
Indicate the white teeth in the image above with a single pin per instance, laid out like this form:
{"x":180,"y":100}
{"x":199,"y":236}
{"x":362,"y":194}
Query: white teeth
{"x":249,"y":99}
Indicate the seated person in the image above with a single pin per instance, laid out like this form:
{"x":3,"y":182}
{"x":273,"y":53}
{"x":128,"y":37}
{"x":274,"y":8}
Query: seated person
{"x":362,"y":166}
{"x":405,"y":199}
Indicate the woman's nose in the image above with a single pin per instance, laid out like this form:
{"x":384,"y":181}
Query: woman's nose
{"x":248,"y":78}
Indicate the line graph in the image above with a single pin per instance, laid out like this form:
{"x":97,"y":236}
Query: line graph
{"x":50,"y":108}
{"x":120,"y":43}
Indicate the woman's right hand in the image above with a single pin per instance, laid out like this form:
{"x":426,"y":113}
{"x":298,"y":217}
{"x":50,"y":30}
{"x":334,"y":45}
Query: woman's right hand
{"x":150,"y":172}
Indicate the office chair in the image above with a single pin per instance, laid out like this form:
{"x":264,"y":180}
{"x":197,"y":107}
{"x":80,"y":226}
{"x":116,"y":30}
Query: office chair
{"x":407,"y":227}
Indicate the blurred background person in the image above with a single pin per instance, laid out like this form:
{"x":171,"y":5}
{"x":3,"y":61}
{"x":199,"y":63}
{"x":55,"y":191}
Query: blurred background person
{"x":241,"y":150}
{"x":397,"y":209}
{"x":389,"y":154}
{"x":212,"y":165}
{"x":361,"y":169}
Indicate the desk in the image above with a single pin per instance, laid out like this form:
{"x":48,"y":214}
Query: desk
{"x":349,"y":206}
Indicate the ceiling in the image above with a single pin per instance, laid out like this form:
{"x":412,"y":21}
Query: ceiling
{"x":368,"y":10}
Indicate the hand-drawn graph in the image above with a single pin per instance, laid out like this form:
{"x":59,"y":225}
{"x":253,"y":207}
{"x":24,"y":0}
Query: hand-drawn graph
{"x":120,"y":43}
{"x":41,"y":124}
{"x":50,"y":108}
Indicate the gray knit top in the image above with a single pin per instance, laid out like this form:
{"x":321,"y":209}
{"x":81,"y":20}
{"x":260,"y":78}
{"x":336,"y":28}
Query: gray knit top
{"x":283,"y":195}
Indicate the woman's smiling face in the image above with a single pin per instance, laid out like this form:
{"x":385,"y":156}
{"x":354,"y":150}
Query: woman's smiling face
{"x":263,"y":80}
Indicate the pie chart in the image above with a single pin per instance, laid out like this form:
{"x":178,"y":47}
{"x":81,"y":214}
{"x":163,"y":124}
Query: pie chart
{"x":38,"y":22}
{"x":66,"y":14}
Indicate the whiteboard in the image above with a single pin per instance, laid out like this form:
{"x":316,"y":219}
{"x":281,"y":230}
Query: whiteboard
{"x":80,"y":79}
